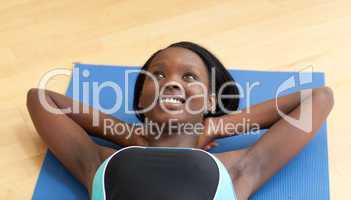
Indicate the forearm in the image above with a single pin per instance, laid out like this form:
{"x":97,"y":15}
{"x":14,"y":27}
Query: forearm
{"x":84,"y":118}
{"x":259,"y":116}
{"x":266,"y":114}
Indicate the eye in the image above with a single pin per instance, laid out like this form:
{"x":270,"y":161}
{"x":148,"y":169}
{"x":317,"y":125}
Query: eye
{"x":159,"y":75}
{"x":190,"y":77}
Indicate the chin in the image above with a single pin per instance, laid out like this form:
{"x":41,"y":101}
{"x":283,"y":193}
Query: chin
{"x":164,"y":117}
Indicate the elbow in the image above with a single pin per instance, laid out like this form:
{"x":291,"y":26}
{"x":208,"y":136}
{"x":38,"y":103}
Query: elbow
{"x":32,"y":96}
{"x":325,"y":97}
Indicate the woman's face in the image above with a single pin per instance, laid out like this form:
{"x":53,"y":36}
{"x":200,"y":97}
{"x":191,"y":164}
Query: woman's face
{"x":183,"y":83}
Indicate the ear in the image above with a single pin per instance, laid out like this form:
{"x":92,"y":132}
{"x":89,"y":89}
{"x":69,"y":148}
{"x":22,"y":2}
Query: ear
{"x":211,"y":103}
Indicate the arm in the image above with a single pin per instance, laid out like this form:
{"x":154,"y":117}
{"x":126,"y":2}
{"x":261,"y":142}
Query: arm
{"x":280,"y":143}
{"x":85,"y":120}
{"x":262,"y":115}
{"x":66,"y":136}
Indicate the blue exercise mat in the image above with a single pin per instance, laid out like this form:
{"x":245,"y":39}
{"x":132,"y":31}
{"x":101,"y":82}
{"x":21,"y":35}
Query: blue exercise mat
{"x":305,"y":177}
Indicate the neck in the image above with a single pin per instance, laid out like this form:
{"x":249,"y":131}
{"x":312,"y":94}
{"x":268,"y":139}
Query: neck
{"x":173,"y":134}
{"x":176,"y":140}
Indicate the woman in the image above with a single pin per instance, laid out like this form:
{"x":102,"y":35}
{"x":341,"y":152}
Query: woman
{"x":182,"y":71}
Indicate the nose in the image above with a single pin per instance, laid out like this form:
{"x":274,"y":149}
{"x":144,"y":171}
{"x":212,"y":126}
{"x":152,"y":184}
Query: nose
{"x":172,"y":85}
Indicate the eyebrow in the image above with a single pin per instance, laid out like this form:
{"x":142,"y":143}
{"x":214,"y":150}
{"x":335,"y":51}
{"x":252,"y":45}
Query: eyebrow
{"x":188,"y":67}
{"x":161,"y":64}
{"x":157,"y":64}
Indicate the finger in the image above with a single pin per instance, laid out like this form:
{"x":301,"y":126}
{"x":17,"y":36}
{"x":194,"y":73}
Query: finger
{"x":215,"y":144}
{"x":206,"y":147}
{"x":210,"y":145}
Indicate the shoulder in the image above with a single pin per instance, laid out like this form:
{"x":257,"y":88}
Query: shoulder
{"x":238,"y":166}
{"x":92,"y":166}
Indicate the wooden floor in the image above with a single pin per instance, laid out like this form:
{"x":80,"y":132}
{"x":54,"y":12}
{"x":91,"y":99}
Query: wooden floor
{"x":38,"y":35}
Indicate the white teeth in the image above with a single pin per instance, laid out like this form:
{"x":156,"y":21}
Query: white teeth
{"x":170,"y":100}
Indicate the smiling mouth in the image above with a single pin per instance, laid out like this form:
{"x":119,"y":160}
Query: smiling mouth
{"x":172,"y":100}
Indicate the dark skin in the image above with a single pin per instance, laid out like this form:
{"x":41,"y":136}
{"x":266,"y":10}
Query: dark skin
{"x":66,"y":135}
